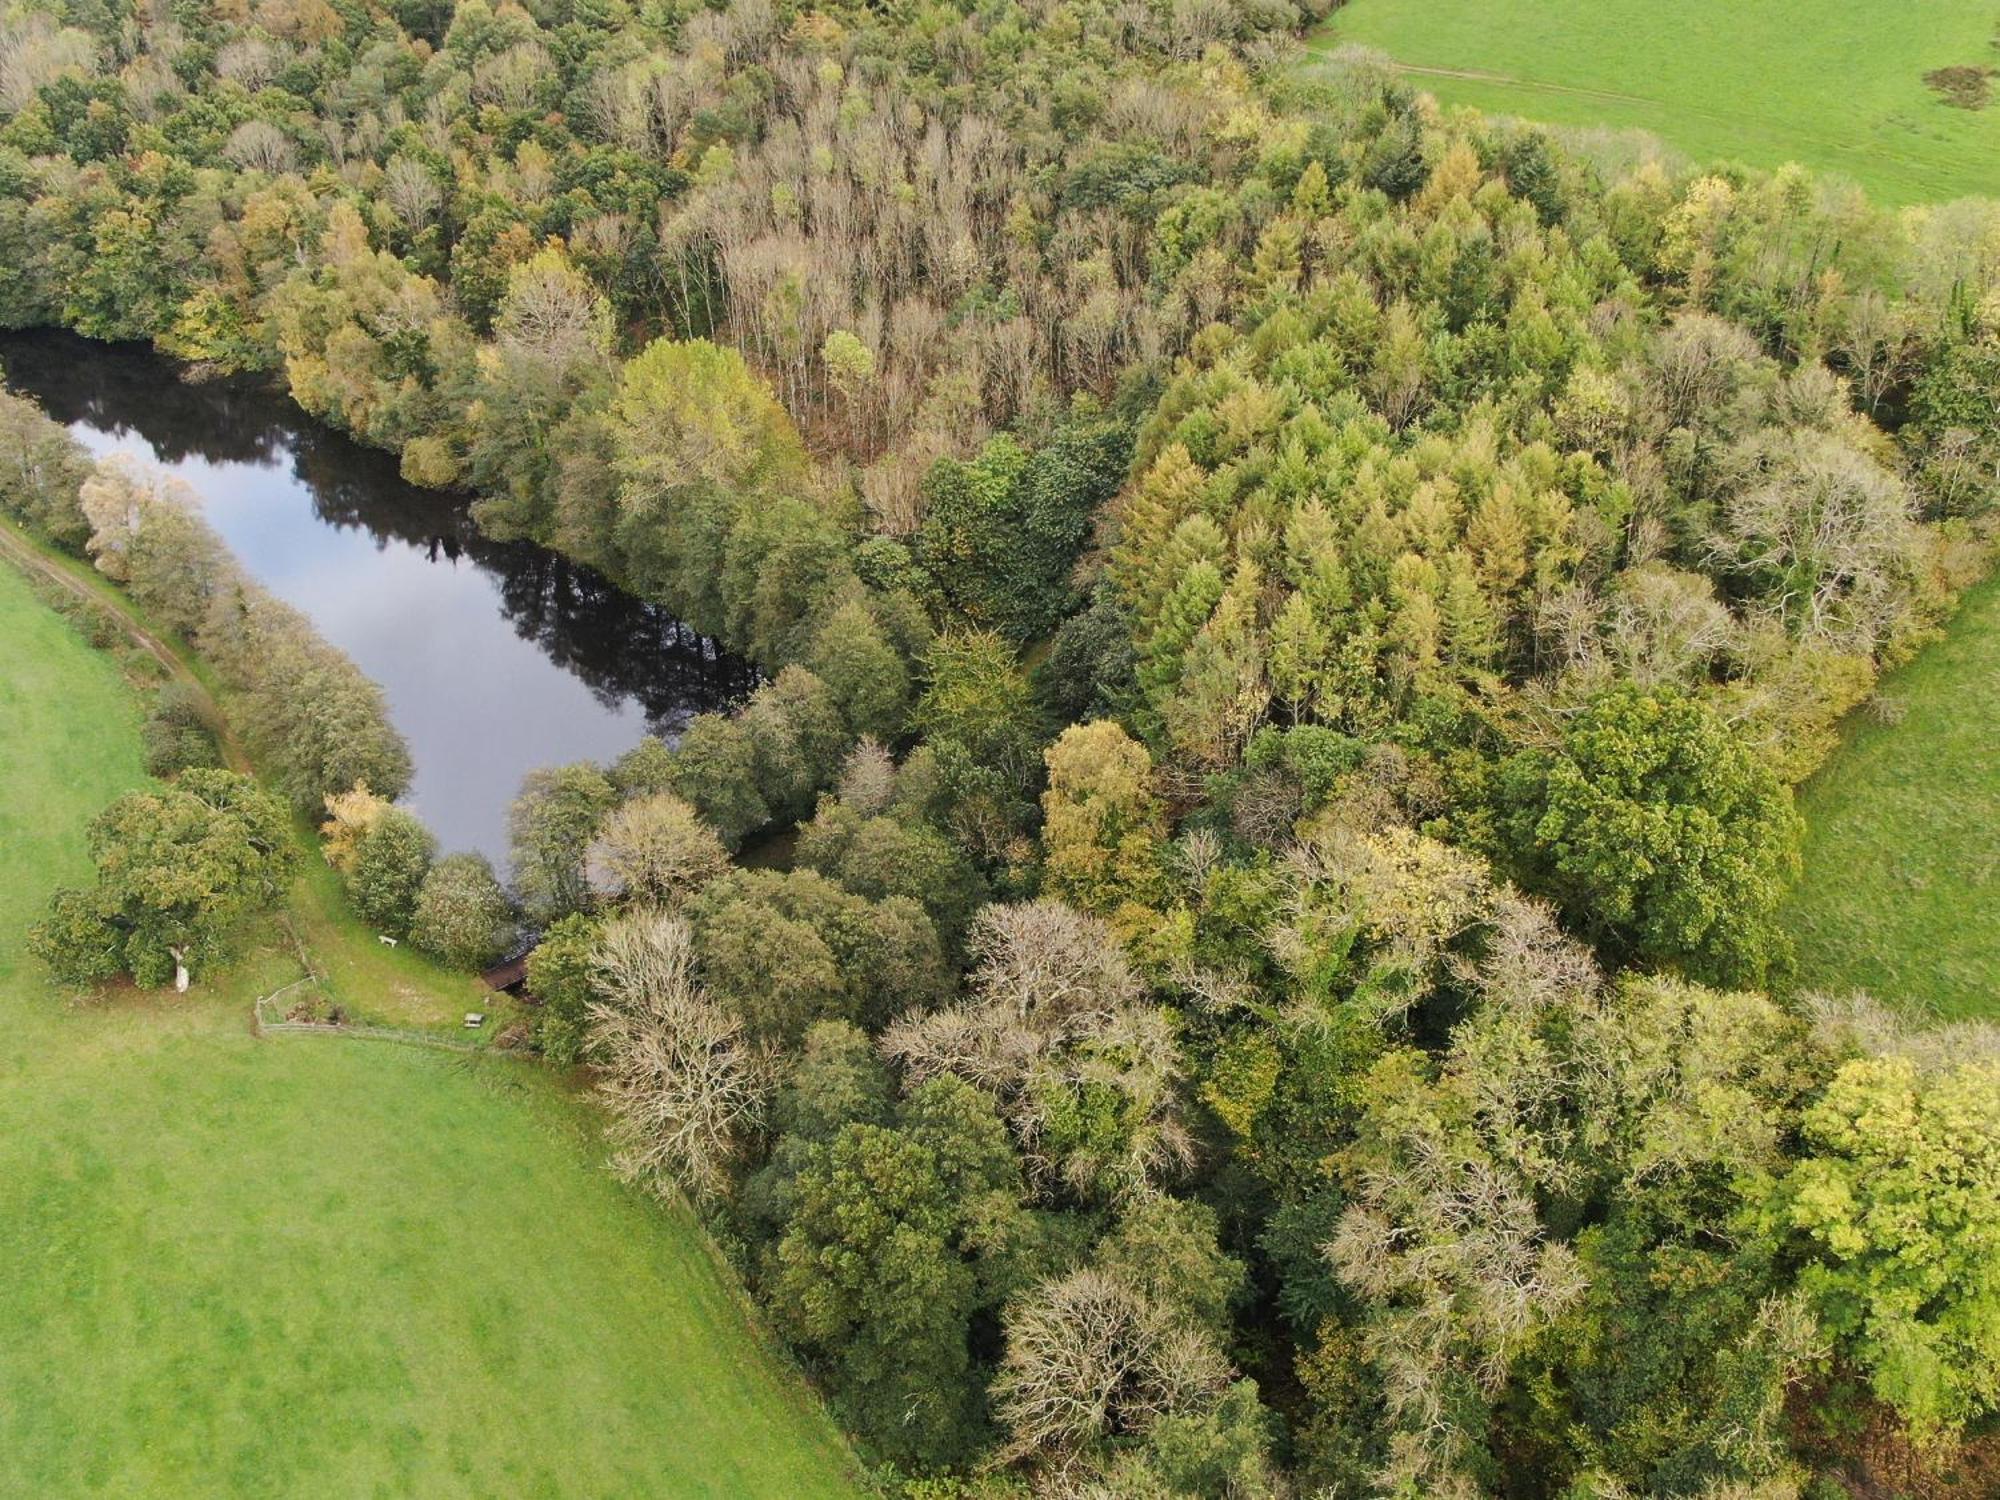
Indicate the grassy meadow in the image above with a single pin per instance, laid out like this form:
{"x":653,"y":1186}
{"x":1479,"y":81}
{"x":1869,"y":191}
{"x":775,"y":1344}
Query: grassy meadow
{"x":1836,"y":85}
{"x":309,"y":1266}
{"x":1901,"y":894}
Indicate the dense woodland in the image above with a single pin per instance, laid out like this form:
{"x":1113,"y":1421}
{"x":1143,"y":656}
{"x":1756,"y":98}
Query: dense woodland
{"x":1289,"y":624}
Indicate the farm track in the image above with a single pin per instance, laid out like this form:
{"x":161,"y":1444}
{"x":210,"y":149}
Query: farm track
{"x":1506,"y":80}
{"x":31,"y":561}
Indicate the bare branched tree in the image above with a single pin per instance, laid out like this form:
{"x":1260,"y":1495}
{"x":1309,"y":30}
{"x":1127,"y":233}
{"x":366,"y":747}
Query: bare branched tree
{"x":1665,"y":626}
{"x":1411,"y":897}
{"x":1446,"y":1242}
{"x":868,"y":778}
{"x":35,"y":50}
{"x":685,"y":1088}
{"x":654,"y":850}
{"x":410,"y":190}
{"x":1047,"y":960}
{"x":1826,"y":536}
{"x":1057,"y":1013}
{"x":260,"y":146}
{"x":553,"y":313}
{"x":1088,"y":1359}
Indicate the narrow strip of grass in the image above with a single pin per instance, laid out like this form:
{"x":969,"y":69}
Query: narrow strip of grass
{"x":1901,"y":891}
{"x":312,"y":1267}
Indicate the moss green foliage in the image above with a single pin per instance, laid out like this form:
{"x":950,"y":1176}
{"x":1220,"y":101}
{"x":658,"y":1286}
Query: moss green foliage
{"x":1902,"y":828}
{"x":791,"y":950}
{"x":462,"y":916}
{"x":902,"y":856}
{"x":699,"y":438}
{"x":41,"y":475}
{"x":559,"y":980}
{"x":1088,"y":671}
{"x":879,"y":1265}
{"x":410,"y":1311}
{"x":1105,"y":824}
{"x":715,"y":770}
{"x":1846,"y":95}
{"x":1293,"y":619}
{"x":549,"y":829}
{"x":177,"y":735}
{"x":390,"y":864}
{"x":1899,"y":1198}
{"x":1002,"y":533}
{"x":983,"y":733}
{"x":1658,"y":831}
{"x":177,"y":868}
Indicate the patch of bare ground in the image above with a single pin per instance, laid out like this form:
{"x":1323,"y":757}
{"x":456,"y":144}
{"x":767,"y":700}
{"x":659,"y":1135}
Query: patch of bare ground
{"x":1965,"y":86}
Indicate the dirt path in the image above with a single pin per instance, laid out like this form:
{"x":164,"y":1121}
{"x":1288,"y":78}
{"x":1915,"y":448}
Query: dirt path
{"x":1536,"y":85}
{"x":25,"y":556}
{"x":1479,"y":75}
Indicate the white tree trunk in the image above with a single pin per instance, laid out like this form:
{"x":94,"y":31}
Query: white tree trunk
{"x":180,"y":971}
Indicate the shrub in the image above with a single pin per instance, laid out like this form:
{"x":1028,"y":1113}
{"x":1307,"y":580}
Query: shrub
{"x":391,"y":862}
{"x":176,"y":734}
{"x":462,"y":916}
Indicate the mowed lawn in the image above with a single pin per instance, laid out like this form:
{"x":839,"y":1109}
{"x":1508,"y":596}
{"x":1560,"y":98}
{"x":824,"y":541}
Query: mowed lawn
{"x":307,"y":1266}
{"x":1901,"y":893}
{"x":1834,"y":84}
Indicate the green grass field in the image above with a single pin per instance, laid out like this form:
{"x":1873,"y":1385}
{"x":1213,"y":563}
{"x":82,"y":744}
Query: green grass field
{"x":1837,"y":84}
{"x":1901,"y":895}
{"x":313,"y":1266}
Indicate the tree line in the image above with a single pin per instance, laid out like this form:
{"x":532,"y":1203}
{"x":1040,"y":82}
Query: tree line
{"x":1291,"y":621}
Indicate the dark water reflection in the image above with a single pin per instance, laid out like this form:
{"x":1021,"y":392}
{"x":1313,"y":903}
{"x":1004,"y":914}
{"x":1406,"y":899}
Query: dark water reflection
{"x":496,"y":657}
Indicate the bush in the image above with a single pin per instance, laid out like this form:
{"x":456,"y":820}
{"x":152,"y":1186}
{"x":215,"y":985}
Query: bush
{"x":98,"y":625}
{"x":177,"y":735}
{"x":462,"y":915}
{"x":559,"y":979}
{"x":390,"y":864}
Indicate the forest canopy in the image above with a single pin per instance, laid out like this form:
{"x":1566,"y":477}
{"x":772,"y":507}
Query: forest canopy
{"x":1290,"y":621}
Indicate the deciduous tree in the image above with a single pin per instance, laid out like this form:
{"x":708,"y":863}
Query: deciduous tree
{"x":176,"y":869}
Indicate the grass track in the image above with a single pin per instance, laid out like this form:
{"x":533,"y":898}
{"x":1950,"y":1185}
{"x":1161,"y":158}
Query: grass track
{"x":1834,"y":84}
{"x":316,"y":1267}
{"x":1901,"y":895}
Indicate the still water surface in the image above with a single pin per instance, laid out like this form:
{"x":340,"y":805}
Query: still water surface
{"x":495,"y":657}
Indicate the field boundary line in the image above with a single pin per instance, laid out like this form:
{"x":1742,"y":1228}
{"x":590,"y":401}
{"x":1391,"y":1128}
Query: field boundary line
{"x":1481,"y":75}
{"x":263,"y":1025}
{"x":29,"y":559}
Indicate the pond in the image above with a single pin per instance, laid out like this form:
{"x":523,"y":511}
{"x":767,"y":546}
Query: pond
{"x":495,"y":657}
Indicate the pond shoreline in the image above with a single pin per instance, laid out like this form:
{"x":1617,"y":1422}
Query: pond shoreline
{"x":495,"y":657}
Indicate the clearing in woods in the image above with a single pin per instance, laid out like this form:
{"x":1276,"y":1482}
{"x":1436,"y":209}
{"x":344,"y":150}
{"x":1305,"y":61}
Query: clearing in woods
{"x":1901,"y":893}
{"x":306,"y":1266}
{"x":1840,"y":85}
